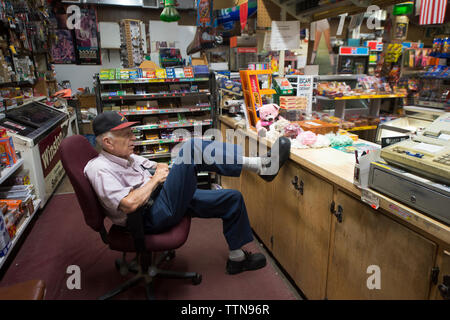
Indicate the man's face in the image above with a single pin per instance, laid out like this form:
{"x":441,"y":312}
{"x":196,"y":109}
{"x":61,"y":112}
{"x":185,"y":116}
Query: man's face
{"x":122,"y":145}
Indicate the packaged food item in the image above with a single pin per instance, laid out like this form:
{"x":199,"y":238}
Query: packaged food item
{"x":170,"y":73}
{"x":188,"y":72}
{"x":160,"y":73}
{"x":5,"y":239}
{"x":8,"y":155}
{"x":318,"y":126}
{"x":179,"y":73}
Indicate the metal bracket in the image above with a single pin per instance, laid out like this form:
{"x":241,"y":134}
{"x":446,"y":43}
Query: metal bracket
{"x":444,"y":288}
{"x":338,"y":212}
{"x":434,"y":275}
{"x":297,"y":186}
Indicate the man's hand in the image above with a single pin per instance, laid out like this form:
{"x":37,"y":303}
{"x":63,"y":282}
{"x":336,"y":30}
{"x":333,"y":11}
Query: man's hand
{"x":162,"y":166}
{"x":161,"y":173}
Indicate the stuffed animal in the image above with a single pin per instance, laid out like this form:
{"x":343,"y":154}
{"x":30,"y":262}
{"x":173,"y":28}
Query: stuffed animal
{"x":268,"y":114}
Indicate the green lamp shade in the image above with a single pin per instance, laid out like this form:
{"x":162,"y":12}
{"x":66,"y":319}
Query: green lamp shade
{"x":169,"y":13}
{"x":403,"y":9}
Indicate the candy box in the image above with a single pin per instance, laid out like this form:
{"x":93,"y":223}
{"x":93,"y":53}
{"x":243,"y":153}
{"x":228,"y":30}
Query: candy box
{"x":188,"y":72}
{"x":160,"y":73}
{"x":170,"y":73}
{"x":318,"y":126}
{"x":7,"y":151}
{"x":179,"y":73}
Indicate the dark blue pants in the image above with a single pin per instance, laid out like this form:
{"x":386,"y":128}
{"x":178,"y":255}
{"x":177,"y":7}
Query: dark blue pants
{"x":179,"y":194}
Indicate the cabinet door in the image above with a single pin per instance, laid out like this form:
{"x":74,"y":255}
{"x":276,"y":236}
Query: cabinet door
{"x":258,"y":200}
{"x":313,"y":235}
{"x":285,"y":216}
{"x":365,"y":238}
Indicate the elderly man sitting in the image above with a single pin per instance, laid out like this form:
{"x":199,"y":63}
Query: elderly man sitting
{"x":124,"y":185}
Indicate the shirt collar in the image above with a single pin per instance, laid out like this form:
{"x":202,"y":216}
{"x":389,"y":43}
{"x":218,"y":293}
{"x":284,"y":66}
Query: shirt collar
{"x":118,"y":160}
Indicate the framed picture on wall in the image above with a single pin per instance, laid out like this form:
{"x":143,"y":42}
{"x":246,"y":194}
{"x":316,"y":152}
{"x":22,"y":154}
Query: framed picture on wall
{"x":63,"y":51}
{"x":87,"y":38}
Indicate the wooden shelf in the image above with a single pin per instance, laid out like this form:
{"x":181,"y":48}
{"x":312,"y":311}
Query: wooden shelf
{"x":335,"y":9}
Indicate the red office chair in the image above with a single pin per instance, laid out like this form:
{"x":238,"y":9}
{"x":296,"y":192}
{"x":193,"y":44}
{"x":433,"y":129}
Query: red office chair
{"x":76,"y":152}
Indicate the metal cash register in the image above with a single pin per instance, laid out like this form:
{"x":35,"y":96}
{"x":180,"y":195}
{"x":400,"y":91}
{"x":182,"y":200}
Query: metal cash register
{"x":417,"y":170}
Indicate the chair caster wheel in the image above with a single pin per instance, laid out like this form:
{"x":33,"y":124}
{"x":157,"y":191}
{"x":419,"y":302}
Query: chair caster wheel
{"x":197,"y":279}
{"x":121,"y":267}
{"x":170,"y":255}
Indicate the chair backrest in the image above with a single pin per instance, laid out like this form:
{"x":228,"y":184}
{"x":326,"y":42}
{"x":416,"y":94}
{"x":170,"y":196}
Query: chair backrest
{"x":76,"y":151}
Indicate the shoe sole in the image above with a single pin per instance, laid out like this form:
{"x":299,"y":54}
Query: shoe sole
{"x":247,"y":269}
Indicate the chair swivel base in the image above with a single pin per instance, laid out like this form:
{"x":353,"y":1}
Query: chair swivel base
{"x":148,"y":275}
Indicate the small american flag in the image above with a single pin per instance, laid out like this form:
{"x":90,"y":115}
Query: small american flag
{"x":432,"y":11}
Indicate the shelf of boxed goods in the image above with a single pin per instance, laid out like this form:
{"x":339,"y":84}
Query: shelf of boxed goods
{"x":162,"y":141}
{"x":25,"y":101}
{"x":145,"y":80}
{"x":107,"y":97}
{"x":20,"y":230}
{"x":199,"y":107}
{"x":173,"y":125}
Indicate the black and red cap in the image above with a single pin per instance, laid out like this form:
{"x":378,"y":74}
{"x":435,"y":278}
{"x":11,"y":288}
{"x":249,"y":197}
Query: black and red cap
{"x":110,"y":121}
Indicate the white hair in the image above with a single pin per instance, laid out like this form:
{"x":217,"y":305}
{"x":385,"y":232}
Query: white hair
{"x":99,"y":139}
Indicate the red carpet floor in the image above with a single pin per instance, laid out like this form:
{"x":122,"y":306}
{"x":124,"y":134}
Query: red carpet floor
{"x":60,"y":238}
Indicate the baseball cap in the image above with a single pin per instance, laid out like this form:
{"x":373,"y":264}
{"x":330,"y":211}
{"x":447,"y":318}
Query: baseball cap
{"x":110,"y":121}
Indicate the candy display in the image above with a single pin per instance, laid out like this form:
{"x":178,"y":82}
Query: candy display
{"x":394,"y":50}
{"x":307,"y":138}
{"x":339,"y":140}
{"x":292,"y":130}
{"x":441,"y":47}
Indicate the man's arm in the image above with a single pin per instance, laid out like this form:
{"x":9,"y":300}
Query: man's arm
{"x":138,"y":197}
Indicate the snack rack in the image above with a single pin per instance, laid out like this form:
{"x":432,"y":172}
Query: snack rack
{"x":162,"y":105}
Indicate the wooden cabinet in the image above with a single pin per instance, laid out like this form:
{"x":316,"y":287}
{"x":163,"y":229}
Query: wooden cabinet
{"x":365,"y":238}
{"x":258,"y":200}
{"x":313,"y":235}
{"x":285,"y":217}
{"x":301,"y":227}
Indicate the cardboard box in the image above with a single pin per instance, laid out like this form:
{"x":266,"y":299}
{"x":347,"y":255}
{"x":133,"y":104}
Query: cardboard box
{"x":87,"y":101}
{"x":86,"y":128}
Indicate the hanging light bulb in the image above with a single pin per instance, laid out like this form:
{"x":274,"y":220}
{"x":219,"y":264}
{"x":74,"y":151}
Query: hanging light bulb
{"x":169,"y":13}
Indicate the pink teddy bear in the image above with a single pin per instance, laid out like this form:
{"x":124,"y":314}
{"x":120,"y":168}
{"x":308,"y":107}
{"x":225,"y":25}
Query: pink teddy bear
{"x":268,"y":114}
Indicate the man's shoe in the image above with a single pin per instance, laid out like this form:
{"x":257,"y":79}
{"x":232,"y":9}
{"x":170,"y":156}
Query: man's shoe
{"x":252,"y":261}
{"x":283,"y":145}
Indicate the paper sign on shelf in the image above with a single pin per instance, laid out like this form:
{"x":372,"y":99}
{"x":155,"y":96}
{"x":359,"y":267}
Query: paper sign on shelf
{"x":285,"y":35}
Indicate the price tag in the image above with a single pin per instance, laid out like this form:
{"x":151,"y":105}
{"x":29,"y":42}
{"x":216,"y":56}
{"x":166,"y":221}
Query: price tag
{"x":368,"y":197}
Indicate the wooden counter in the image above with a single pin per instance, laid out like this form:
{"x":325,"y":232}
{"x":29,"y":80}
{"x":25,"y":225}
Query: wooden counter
{"x":328,"y":258}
